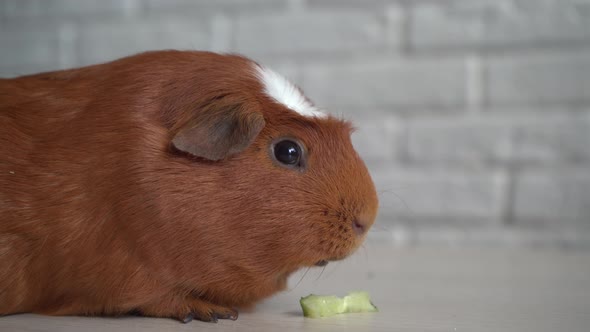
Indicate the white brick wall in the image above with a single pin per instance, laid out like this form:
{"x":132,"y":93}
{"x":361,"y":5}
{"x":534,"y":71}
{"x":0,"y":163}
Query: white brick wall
{"x":553,"y":140}
{"x":389,"y":84}
{"x":54,"y":9}
{"x":289,"y":34}
{"x":473,"y":115}
{"x":498,"y":24}
{"x":557,"y":198}
{"x":30,"y":45}
{"x":478,"y":141}
{"x":379,"y":137}
{"x":539,"y":79}
{"x":109,"y":39}
{"x":435,"y":196}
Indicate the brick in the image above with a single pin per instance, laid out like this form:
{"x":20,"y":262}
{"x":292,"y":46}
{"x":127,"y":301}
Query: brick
{"x":440,"y":196}
{"x":56,"y":8}
{"x":488,"y":23}
{"x":108,"y":40}
{"x":213,"y":5}
{"x":348,"y":3}
{"x":399,"y":84}
{"x":435,"y":25}
{"x":478,"y":141}
{"x":9,"y":71}
{"x":221,"y":33}
{"x":478,"y":237}
{"x":528,"y":138}
{"x":305,"y":32}
{"x":557,"y":199}
{"x":539,"y":80}
{"x":554,"y":139}
{"x":36,"y":45}
{"x":378,"y":137}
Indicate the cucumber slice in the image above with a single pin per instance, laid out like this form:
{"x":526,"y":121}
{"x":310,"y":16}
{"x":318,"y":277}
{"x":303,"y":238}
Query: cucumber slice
{"x":359,"y":302}
{"x":315,"y":306}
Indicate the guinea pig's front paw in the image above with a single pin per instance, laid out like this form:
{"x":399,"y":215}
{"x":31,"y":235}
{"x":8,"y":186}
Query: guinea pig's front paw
{"x":187,"y":309}
{"x":207,"y":312}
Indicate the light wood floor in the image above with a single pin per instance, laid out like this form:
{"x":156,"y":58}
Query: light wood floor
{"x":422,"y":289}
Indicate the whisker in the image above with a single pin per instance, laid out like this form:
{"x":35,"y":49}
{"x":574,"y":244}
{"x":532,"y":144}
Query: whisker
{"x":389,"y":191}
{"x":303,"y":276}
{"x":336,"y":265}
{"x":380,"y":227}
{"x":411,"y":214}
{"x":323,"y":268}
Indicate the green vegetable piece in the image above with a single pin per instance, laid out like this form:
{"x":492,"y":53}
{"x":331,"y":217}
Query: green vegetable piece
{"x":359,"y":302}
{"x":315,"y":306}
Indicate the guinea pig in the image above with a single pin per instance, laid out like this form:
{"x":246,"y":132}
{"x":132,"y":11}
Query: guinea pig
{"x":185,"y":185}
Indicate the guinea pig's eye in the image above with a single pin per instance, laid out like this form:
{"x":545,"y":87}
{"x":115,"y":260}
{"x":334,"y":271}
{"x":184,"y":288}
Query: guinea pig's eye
{"x":287,"y":152}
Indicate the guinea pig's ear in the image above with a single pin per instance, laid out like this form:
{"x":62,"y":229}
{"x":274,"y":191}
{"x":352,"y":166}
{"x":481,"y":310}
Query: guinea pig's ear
{"x":219,"y":131}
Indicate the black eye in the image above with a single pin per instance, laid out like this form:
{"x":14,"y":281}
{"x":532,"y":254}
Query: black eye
{"x":287,"y":152}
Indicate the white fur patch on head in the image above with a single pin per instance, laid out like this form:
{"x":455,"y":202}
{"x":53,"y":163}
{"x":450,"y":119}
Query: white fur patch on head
{"x":286,"y":93}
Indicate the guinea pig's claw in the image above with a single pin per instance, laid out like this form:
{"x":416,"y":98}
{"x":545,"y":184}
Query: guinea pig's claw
{"x":232,"y":314}
{"x":211,"y":315}
{"x":213,"y":318}
{"x":188,"y":318}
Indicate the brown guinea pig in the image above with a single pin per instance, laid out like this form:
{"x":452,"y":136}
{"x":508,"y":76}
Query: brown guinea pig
{"x":170,"y":184}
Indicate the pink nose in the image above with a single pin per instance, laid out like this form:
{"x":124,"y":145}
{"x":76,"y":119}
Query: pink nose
{"x":358,"y":226}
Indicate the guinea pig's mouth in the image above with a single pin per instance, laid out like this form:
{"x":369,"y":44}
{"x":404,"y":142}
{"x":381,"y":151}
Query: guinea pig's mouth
{"x":323,"y":262}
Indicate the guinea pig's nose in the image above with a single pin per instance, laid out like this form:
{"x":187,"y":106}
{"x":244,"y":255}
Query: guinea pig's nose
{"x":359,"y":226}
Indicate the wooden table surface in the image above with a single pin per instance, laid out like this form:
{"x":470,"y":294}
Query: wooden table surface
{"x":425,"y":289}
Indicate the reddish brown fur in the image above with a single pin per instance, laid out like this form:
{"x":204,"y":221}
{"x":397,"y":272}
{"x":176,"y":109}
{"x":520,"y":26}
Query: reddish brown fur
{"x":99,"y":215}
